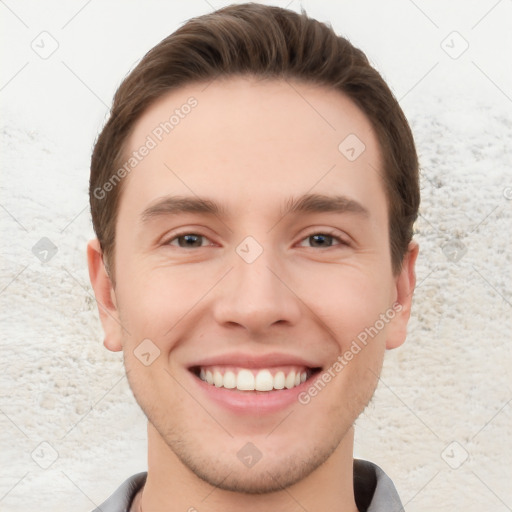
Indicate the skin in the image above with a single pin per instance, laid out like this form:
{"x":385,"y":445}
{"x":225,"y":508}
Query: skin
{"x":250,"y":145}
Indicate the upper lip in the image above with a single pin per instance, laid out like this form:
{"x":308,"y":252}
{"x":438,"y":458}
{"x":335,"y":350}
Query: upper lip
{"x":255,"y":361}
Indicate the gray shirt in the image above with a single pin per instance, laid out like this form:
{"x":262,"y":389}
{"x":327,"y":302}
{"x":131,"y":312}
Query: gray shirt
{"x":373,"y":490}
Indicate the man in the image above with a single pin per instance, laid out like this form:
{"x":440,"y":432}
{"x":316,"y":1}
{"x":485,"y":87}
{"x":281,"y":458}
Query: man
{"x":253,"y":195}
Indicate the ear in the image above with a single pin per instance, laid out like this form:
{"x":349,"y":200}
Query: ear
{"x":405,"y":283}
{"x":105,"y":297}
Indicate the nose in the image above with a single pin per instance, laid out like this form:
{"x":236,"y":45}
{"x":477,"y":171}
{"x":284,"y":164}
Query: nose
{"x":257,"y":295}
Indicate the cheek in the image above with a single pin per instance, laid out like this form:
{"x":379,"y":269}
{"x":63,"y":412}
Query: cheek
{"x":347,"y":299}
{"x":158,"y":301}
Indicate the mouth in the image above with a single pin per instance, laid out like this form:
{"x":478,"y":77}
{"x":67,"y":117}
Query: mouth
{"x":254,"y":380}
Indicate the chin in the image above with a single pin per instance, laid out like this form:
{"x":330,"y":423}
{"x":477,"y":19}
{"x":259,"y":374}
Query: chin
{"x":265,"y":477}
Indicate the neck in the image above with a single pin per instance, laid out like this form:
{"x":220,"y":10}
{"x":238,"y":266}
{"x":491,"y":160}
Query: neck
{"x":170,"y":486}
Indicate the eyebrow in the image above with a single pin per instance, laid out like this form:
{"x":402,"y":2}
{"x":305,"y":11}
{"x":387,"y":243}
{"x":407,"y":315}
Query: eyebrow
{"x":318,"y":203}
{"x":307,"y":203}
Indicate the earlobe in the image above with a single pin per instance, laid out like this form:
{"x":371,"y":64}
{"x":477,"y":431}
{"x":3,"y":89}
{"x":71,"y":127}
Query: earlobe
{"x":405,"y":284}
{"x":105,"y":296}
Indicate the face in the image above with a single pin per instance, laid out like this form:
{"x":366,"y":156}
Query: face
{"x":252,"y":251}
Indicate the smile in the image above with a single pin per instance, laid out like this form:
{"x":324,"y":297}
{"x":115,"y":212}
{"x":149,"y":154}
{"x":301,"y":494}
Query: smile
{"x":263,"y":379}
{"x":252,"y":384}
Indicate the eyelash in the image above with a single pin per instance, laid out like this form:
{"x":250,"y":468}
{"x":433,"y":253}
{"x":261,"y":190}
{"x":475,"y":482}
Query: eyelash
{"x":327,"y":233}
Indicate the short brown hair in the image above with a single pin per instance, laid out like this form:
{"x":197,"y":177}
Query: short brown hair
{"x":267,"y":42}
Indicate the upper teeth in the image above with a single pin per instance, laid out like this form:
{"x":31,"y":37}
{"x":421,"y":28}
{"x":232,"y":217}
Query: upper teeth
{"x":249,"y":380}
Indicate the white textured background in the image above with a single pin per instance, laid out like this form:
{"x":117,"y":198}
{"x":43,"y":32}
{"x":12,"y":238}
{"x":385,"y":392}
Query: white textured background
{"x":450,"y":382}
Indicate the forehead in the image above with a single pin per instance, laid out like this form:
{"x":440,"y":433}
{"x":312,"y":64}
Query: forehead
{"x":244,"y":139}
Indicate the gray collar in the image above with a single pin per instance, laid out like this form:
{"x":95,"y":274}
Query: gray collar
{"x":373,"y":489}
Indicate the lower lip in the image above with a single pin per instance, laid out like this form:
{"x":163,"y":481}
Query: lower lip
{"x":253,"y":402}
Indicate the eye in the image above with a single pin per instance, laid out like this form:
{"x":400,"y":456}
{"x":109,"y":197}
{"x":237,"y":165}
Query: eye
{"x":317,"y":240}
{"x":322,"y":240}
{"x":187,"y":240}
